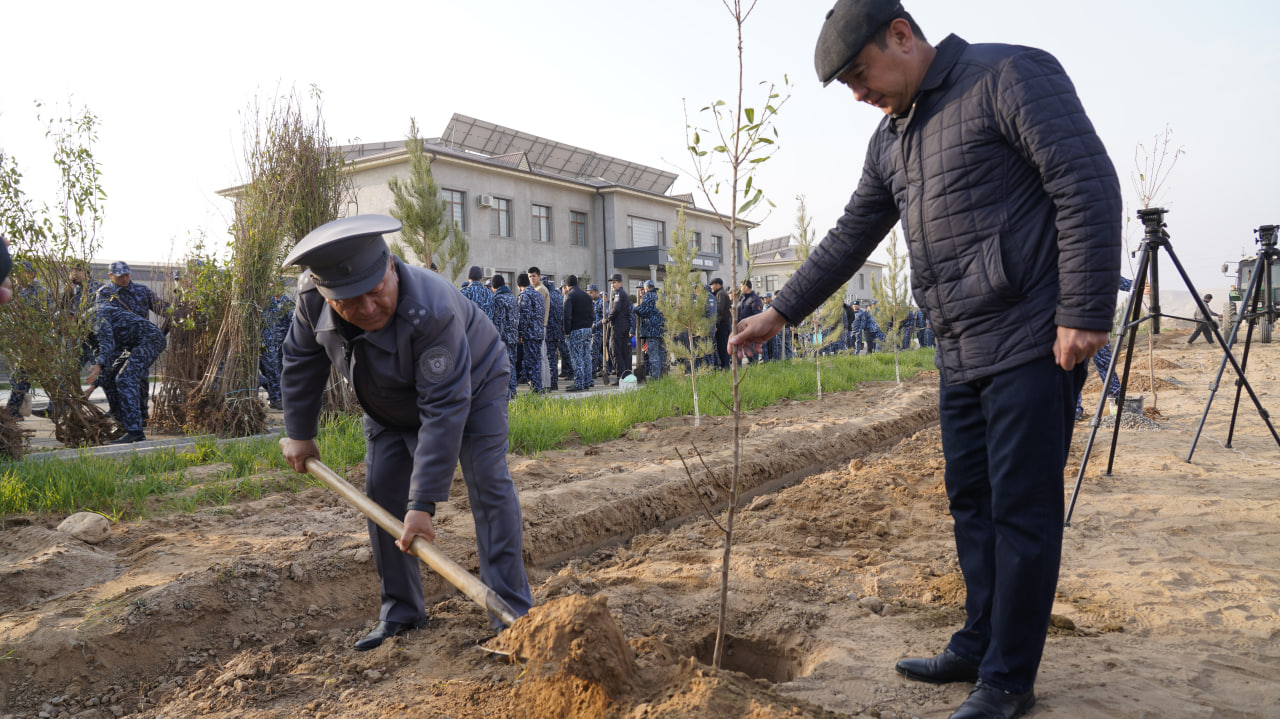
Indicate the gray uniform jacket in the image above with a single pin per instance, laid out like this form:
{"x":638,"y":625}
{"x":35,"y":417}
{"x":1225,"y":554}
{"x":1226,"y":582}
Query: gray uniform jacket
{"x":1010,"y":206}
{"x":415,"y":374}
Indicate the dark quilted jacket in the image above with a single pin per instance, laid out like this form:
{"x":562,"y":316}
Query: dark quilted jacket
{"x":1010,"y":207}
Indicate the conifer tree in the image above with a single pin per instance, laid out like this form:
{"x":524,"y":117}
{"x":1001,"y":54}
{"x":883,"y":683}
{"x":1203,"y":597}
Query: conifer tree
{"x":427,"y":232}
{"x":683,"y":303}
{"x":893,"y":298}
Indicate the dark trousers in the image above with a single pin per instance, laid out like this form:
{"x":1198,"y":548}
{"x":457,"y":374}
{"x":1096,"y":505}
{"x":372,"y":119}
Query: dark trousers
{"x":1005,"y":439}
{"x":495,"y":507}
{"x":1202,"y":328}
{"x":722,"y":345}
{"x":621,"y":351}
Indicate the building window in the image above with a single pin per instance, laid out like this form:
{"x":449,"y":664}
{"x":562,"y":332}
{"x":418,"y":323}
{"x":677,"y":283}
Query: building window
{"x":771,"y":283}
{"x":697,"y":241}
{"x":500,"y":218}
{"x":541,"y":223}
{"x":717,"y":246}
{"x":455,"y":203}
{"x":645,"y":233}
{"x":578,"y":227}
{"x":862,"y":281}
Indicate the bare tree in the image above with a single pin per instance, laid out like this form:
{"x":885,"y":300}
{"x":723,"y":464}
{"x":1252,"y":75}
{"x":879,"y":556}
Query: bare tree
{"x":743,"y":141}
{"x":295,"y":181}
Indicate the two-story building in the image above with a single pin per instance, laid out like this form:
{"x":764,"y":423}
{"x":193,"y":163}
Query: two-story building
{"x":774,"y":261}
{"x":523,"y":201}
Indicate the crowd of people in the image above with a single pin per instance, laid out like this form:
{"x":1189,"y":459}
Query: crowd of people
{"x":566,"y":333}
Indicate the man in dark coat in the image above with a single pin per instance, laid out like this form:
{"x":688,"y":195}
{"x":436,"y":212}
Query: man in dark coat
{"x":620,"y":326}
{"x":724,"y":322}
{"x":578,"y":316}
{"x":431,"y":375}
{"x":1011,"y":211}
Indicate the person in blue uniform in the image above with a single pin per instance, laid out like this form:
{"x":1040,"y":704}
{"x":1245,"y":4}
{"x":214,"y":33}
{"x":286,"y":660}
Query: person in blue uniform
{"x":275,"y":318}
{"x":432,"y":377}
{"x":506,"y":318}
{"x":127,"y":347}
{"x":477,"y":292}
{"x":578,"y":316}
{"x":141,"y":300}
{"x":33,"y":294}
{"x":651,"y":331}
{"x":554,"y":335}
{"x":597,"y":331}
{"x":532,"y":330}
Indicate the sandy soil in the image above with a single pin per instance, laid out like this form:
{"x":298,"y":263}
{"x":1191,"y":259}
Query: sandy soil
{"x":1168,"y":604}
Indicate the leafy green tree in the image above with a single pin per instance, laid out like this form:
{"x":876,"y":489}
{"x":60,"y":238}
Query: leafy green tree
{"x":893,"y":298}
{"x":41,"y":333}
{"x":427,"y":232}
{"x":683,"y":302}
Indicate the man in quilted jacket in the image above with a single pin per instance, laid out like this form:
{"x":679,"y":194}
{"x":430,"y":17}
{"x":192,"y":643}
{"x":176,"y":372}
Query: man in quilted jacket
{"x":1011,"y":210}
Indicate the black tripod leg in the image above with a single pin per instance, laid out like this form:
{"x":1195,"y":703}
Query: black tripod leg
{"x":1132,"y":310}
{"x":1251,"y":297}
{"x":1228,"y":357}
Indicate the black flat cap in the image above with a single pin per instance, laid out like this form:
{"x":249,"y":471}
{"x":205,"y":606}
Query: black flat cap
{"x":848,"y":27}
{"x":347,"y":257}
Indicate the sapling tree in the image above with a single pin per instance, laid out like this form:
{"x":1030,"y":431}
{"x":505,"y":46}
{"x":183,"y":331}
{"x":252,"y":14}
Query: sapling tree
{"x":727,"y":150}
{"x":893,"y":298}
{"x":826,"y":324}
{"x":683,"y":302}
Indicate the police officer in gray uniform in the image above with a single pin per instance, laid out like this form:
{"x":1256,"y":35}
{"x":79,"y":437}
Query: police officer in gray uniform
{"x":431,"y":375}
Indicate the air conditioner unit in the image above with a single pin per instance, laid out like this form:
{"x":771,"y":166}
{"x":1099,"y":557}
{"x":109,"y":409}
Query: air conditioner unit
{"x":484,"y":200}
{"x":490,"y":272}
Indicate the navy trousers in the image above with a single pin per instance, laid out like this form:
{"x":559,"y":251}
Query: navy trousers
{"x":495,"y":507}
{"x":1006,"y":439}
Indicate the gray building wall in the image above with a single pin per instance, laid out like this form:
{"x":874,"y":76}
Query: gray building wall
{"x":608,"y":209}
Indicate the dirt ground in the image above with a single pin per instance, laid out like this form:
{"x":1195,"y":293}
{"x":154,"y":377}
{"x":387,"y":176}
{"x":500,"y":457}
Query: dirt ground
{"x":1168,"y":603}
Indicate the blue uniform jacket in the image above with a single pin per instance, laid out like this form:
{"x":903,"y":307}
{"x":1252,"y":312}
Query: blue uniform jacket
{"x":416,"y":373}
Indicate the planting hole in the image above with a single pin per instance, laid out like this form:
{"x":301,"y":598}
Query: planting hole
{"x":756,"y":658}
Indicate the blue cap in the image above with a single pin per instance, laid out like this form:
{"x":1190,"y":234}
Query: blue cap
{"x":119,"y":267}
{"x":593,"y":288}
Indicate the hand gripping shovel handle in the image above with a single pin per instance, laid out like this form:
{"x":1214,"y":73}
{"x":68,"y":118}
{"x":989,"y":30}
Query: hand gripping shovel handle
{"x":467,"y":583}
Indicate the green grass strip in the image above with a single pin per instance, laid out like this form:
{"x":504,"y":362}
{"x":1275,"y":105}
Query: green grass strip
{"x":128,"y":487}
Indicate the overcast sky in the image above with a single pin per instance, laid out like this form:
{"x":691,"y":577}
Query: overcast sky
{"x":170,"y":83}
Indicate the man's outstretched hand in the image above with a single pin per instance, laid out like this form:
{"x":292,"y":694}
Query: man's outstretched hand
{"x":751,"y":334}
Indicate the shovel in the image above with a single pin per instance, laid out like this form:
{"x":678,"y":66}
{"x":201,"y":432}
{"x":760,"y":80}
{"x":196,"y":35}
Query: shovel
{"x":421,"y":548}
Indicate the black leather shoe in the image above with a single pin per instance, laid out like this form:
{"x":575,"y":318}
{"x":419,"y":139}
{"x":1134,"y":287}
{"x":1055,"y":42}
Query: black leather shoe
{"x":129,"y":438}
{"x":945,"y":668}
{"x":987,"y":702}
{"x":385,"y":630}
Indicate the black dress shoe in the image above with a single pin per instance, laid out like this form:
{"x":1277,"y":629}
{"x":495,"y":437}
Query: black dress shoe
{"x":129,"y":438}
{"x":987,"y":702}
{"x":385,"y":630}
{"x":945,"y":668}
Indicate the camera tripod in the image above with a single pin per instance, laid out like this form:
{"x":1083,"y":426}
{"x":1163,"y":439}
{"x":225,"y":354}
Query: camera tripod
{"x":1262,"y":292}
{"x":1154,"y":238}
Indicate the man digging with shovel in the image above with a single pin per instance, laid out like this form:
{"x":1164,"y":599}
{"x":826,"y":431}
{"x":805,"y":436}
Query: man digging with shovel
{"x":431,"y":374}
